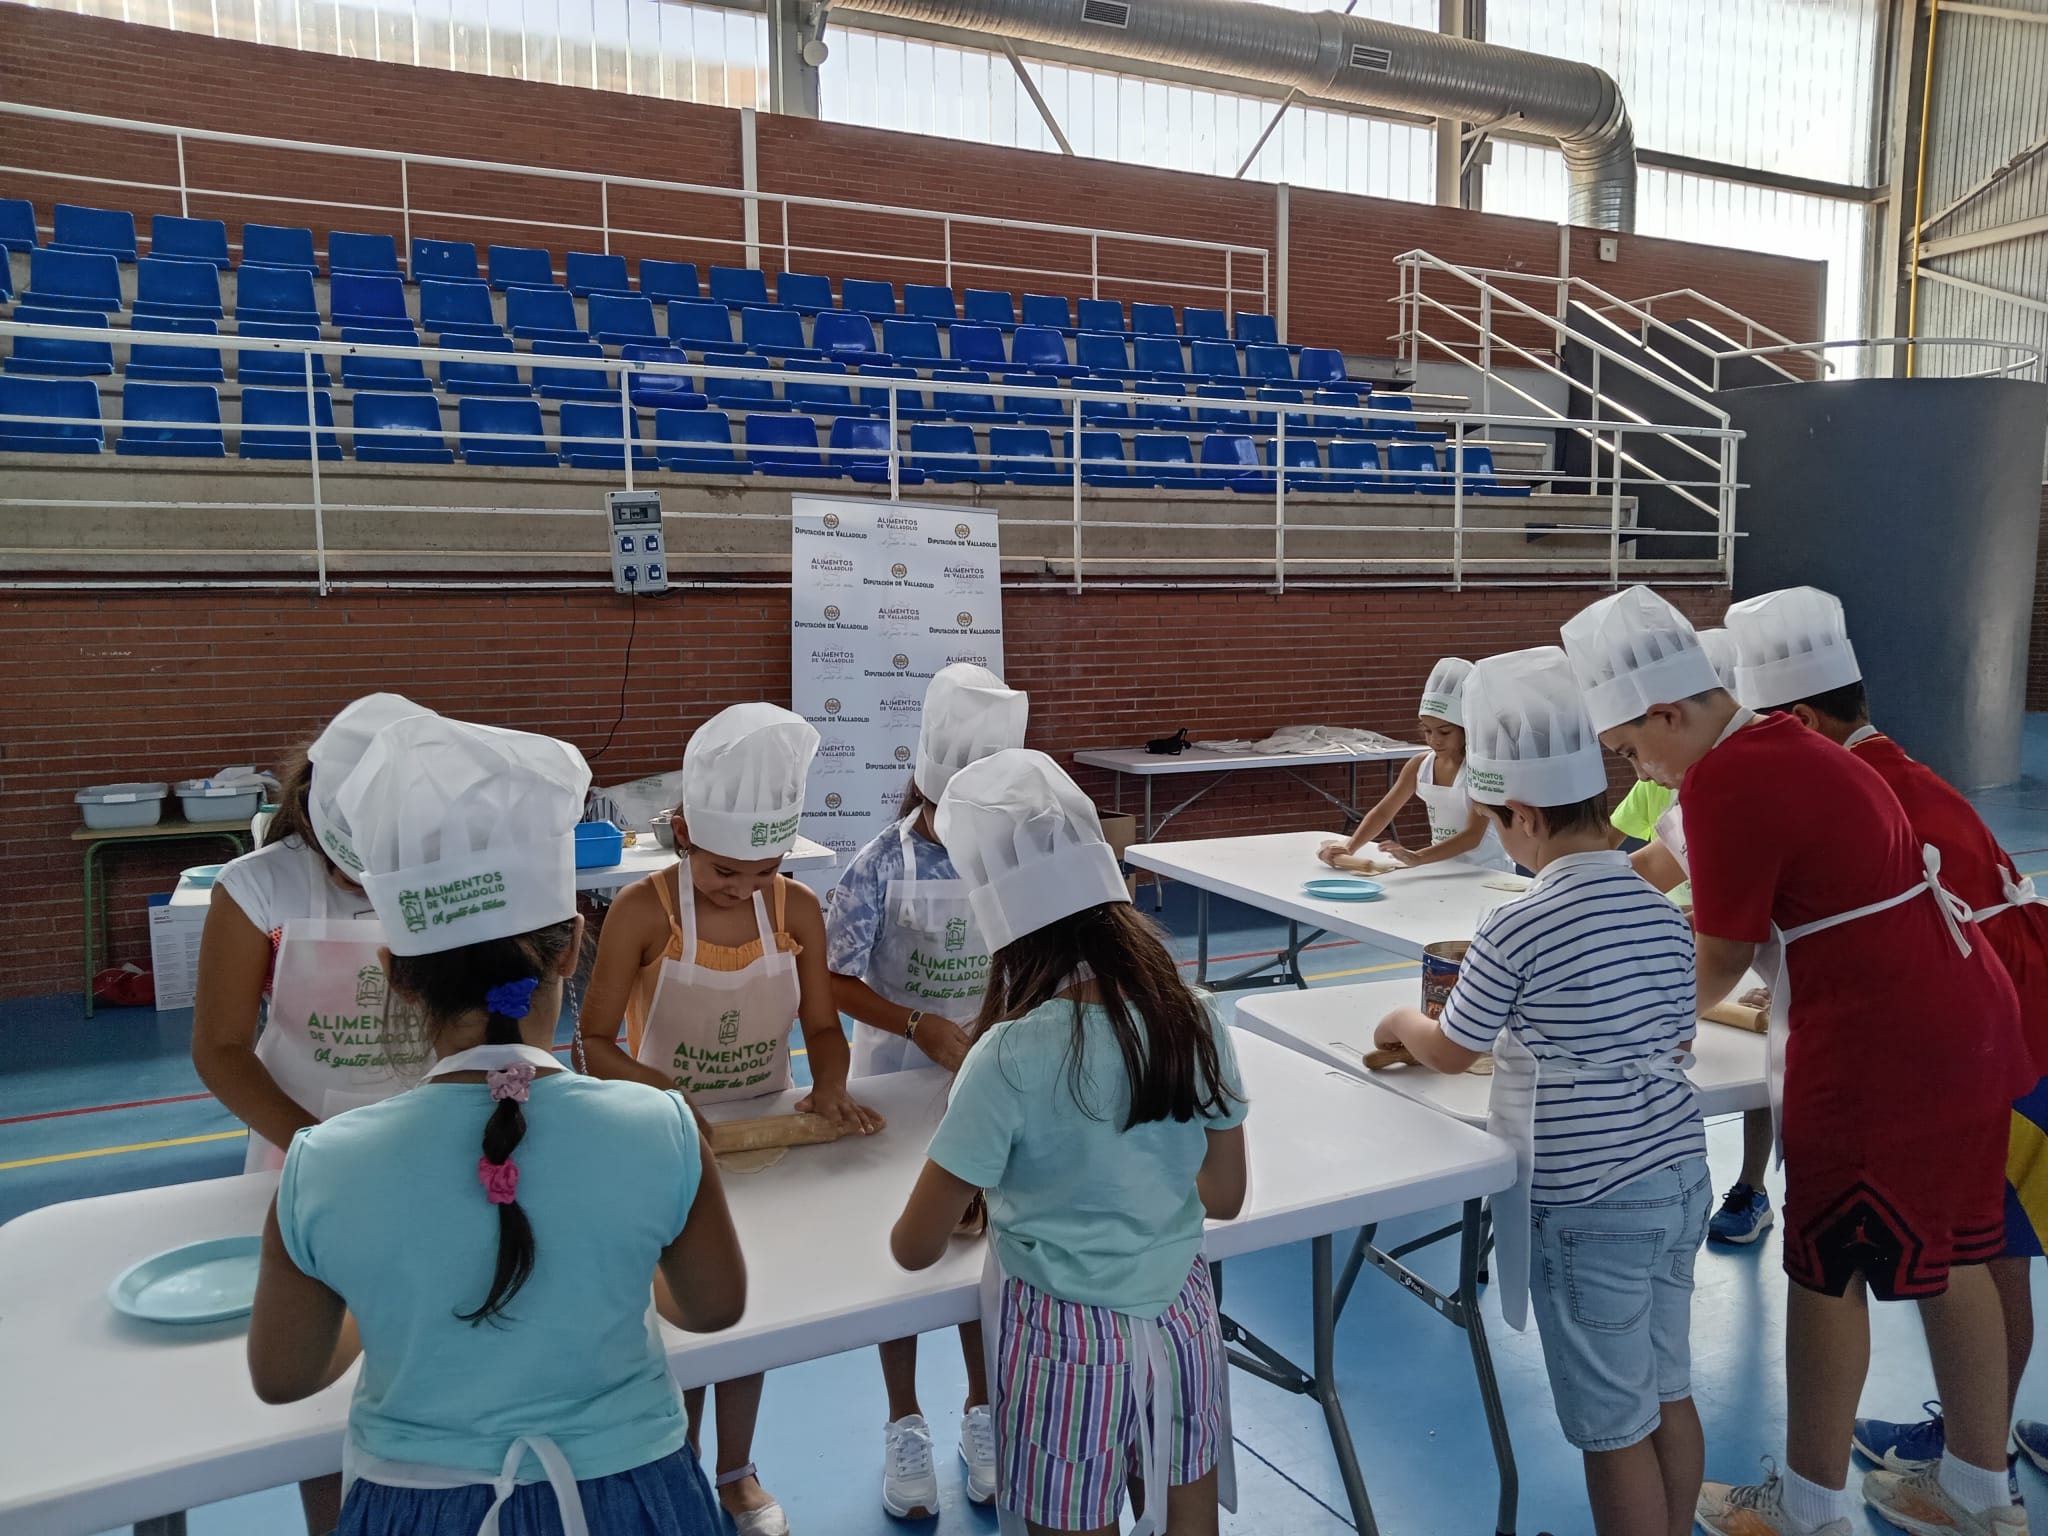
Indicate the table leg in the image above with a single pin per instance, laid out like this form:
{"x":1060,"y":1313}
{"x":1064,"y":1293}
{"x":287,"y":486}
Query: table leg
{"x":162,"y":1525}
{"x":1201,"y":935}
{"x":1352,"y":794}
{"x":1158,"y":880}
{"x":1325,"y":1374}
{"x":1470,"y":1253}
{"x":91,"y":922}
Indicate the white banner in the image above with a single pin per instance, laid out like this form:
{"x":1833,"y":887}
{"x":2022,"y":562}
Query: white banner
{"x":882,"y":595}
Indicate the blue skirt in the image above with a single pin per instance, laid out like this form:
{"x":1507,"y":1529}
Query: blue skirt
{"x":669,"y":1497}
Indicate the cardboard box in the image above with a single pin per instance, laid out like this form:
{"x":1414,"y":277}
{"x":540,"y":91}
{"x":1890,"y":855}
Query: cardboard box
{"x":1120,"y":829}
{"x":174,"y":951}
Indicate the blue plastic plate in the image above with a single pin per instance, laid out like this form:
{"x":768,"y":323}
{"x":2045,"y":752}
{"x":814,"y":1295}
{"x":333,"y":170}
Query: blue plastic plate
{"x":201,"y":876}
{"x":1344,"y":888}
{"x":199,"y":1283}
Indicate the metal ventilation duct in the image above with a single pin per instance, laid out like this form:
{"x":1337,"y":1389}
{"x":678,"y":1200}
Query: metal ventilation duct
{"x":1342,"y":58}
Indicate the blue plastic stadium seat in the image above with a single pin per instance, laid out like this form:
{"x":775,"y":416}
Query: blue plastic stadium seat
{"x":520,"y":266}
{"x":51,"y":355}
{"x":787,"y":445}
{"x":1160,"y":357}
{"x":186,"y":290}
{"x":454,"y":260}
{"x":1035,"y":408}
{"x":383,"y":373}
{"x":1102,"y":457}
{"x":622,"y":319}
{"x":656,"y":391}
{"x":699,"y":323}
{"x":1167,"y":413}
{"x":286,"y":370}
{"x":66,"y":416}
{"x":661,"y":281}
{"x":17,"y":224}
{"x":1480,"y":475}
{"x":1114,"y":412}
{"x":1052,"y":309}
{"x":909,"y":402}
{"x":73,"y":280}
{"x":543,"y":314}
{"x":506,"y":432}
{"x":174,"y":365}
{"x":589,"y":272}
{"x":374,"y":301}
{"x":866,"y":296}
{"x":95,"y":231}
{"x":1262,"y":362}
{"x":861,"y":449}
{"x":929,"y":301}
{"x":948,"y":455}
{"x":572,"y":383}
{"x":826,"y":398}
{"x":457,"y":308}
{"x":1099,"y":353}
{"x":376,"y":255}
{"x":737,"y":287}
{"x":592,"y":437}
{"x":1319,"y":365}
{"x":1412,"y":467}
{"x":183,"y":239}
{"x":1221,"y":415}
{"x":1205,"y":324}
{"x":1355,"y":464}
{"x":1153,"y":319}
{"x":1304,"y":464}
{"x":1252,"y":327}
{"x":6,"y":277}
{"x":774,"y":332}
{"x":460,"y":378}
{"x":277,"y":295}
{"x":979,"y":346}
{"x":743,"y":394}
{"x":850,"y":338}
{"x":697,"y":443}
{"x":1023,"y":456}
{"x":965,"y":404}
{"x":912,"y":341}
{"x":989,"y":306}
{"x":399,"y":429}
{"x":278,"y":245}
{"x":806,"y":292}
{"x":1166,"y":459}
{"x":1101,"y":315}
{"x":274,"y":424}
{"x":1041,"y":349}
{"x":1214,"y":360}
{"x":1228,"y":455}
{"x":182,"y":421}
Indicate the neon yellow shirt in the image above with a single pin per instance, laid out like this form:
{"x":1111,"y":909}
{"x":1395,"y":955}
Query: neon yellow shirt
{"x":1641,"y":807}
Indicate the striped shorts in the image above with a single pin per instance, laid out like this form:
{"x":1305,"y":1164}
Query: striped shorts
{"x":1071,"y":1385}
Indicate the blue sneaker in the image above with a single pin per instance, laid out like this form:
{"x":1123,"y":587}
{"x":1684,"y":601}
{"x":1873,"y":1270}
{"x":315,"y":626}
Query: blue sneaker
{"x":2031,"y":1436}
{"x":1745,"y":1216}
{"x":1902,"y":1447}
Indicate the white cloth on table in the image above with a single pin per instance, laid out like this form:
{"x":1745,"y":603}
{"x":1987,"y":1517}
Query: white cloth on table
{"x":1292,"y":740}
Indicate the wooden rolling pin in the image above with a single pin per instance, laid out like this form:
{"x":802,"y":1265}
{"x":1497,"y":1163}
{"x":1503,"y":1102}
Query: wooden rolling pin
{"x":1359,"y":865}
{"x":1383,"y":1057}
{"x":771,"y":1131}
{"x":1739,"y":1016}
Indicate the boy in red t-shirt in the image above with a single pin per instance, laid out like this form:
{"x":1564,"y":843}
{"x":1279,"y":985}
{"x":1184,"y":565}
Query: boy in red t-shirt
{"x":1800,"y":662}
{"x":1893,"y":1145}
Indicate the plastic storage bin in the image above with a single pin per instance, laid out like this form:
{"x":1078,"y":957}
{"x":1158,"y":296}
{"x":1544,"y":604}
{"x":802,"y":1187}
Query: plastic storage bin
{"x":599,"y":845}
{"x":209,"y":800}
{"x":109,"y":807}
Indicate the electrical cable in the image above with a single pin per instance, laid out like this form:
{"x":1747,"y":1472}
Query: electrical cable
{"x":625,"y":677}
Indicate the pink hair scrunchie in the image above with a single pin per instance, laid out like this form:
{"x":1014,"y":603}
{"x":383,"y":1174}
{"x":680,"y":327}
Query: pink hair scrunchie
{"x":500,"y":1180}
{"x":510,"y":1082}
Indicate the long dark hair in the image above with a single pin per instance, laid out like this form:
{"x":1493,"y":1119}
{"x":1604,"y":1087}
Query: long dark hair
{"x":454,"y":983}
{"x":294,"y":818}
{"x":913,"y":798}
{"x":1162,"y":1028}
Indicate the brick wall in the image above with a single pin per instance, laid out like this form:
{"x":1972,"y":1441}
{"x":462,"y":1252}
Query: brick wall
{"x":173,"y":686}
{"x":1340,"y":246}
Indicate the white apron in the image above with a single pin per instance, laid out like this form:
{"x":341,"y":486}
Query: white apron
{"x":1671,"y":837}
{"x":722,"y":1034}
{"x":359,"y":1463}
{"x":334,"y":1039}
{"x":929,"y":955}
{"x":1451,"y":811}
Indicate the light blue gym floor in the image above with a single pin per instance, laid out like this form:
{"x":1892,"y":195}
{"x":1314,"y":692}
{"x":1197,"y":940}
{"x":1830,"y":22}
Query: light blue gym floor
{"x":88,"y":1107}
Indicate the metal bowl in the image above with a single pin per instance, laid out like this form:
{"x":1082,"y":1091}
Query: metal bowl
{"x":664,"y":830}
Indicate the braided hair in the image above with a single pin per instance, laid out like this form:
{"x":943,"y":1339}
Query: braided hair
{"x":450,"y":985}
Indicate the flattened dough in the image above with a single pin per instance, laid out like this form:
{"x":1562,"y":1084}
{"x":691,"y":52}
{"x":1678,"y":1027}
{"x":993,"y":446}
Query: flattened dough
{"x":754,"y":1161}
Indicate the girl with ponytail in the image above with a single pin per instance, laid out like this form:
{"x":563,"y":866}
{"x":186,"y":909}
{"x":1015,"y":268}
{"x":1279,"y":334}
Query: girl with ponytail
{"x":474,"y":1240}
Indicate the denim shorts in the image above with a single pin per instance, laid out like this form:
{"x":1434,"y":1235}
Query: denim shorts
{"x":1610,"y":1283}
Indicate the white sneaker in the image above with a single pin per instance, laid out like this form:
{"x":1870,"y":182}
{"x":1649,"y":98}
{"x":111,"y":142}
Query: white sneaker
{"x":768,"y":1520}
{"x":910,"y":1486}
{"x":1756,"y":1510}
{"x":1916,"y":1502}
{"x":978,"y":1450}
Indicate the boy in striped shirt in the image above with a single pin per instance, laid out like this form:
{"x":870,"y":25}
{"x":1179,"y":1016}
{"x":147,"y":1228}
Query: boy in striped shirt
{"x":1584,"y":991}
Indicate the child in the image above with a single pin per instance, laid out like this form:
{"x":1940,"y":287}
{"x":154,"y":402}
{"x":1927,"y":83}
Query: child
{"x":1894,"y":1151}
{"x":709,"y":983}
{"x":1100,"y":1108}
{"x":260,"y":998}
{"x":1437,"y":778}
{"x":1583,"y":990}
{"x":909,"y":964}
{"x":503,"y":1329}
{"x":1797,"y":659}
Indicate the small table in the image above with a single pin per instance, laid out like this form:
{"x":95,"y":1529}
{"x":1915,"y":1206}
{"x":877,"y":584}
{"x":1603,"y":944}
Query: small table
{"x":647,"y":857}
{"x":167,"y":830}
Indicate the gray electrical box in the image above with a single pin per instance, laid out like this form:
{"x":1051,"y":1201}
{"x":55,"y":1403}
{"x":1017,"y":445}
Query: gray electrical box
{"x":639,"y":552}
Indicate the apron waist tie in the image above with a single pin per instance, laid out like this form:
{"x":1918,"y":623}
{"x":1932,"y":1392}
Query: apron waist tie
{"x":1155,"y":1430}
{"x":358,"y":1464}
{"x":1954,"y":910}
{"x":2020,"y":893}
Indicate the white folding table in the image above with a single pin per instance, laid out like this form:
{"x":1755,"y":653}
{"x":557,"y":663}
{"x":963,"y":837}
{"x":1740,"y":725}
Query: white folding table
{"x":105,"y":1421}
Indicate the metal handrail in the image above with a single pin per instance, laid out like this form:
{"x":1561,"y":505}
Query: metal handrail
{"x":2027,"y":362}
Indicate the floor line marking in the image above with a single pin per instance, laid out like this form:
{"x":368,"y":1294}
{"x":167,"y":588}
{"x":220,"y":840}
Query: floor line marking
{"x":138,"y":1146}
{"x":95,"y":1109}
{"x":1362,"y":970}
{"x":1294,"y":1483}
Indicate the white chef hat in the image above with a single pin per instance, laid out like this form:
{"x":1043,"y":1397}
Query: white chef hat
{"x":1027,"y":842}
{"x":466,"y":832}
{"x":334,"y":755}
{"x":968,"y":713}
{"x":1719,"y":644}
{"x":743,"y":781}
{"x":1527,"y":734}
{"x":1794,"y":644}
{"x":1443,"y":694}
{"x":1632,"y":650}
